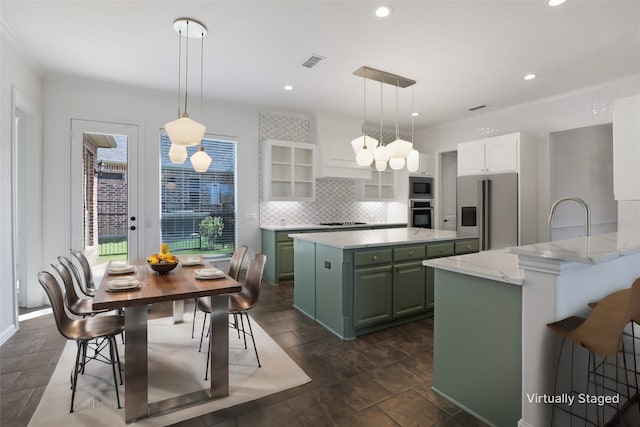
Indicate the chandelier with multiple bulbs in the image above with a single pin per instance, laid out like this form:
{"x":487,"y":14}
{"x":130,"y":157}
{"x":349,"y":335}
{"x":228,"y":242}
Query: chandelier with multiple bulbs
{"x":369,"y":150}
{"x":185,"y":132}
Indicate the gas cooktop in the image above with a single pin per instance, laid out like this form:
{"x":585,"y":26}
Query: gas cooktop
{"x":342,"y":223}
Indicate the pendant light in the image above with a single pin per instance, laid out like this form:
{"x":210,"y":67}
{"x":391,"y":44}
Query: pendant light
{"x":399,"y":148}
{"x":201,"y":160}
{"x":185,"y":131}
{"x":413,"y":159}
{"x":177,"y":154}
{"x":381,"y":153}
{"x":364,"y":145}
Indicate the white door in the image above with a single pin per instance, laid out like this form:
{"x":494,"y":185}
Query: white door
{"x":449,"y":175}
{"x":104,"y":190}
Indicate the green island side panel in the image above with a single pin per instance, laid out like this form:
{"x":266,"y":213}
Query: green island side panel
{"x":304,"y":288}
{"x":477,"y":360}
{"x":329,"y":289}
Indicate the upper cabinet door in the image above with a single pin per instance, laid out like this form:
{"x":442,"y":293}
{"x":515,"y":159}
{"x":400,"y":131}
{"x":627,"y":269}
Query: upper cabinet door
{"x":288,"y":170}
{"x":492,"y":155}
{"x":501,"y":154}
{"x":471,"y":158}
{"x":626,"y":148}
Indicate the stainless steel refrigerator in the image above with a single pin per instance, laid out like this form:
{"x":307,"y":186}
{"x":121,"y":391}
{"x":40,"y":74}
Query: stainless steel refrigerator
{"x":488,"y":208}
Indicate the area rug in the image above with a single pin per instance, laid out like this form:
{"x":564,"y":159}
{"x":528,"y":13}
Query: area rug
{"x":175,"y":367}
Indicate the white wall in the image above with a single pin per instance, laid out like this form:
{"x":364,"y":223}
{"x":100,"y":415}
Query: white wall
{"x":591,"y":106}
{"x":66,"y":98}
{"x":581,"y":165}
{"x":20,"y":82}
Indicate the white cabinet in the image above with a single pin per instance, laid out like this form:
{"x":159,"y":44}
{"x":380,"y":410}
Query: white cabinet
{"x":626,"y":148}
{"x":288,"y":170}
{"x":491,"y":155}
{"x":380,"y":187}
{"x":426,"y":165}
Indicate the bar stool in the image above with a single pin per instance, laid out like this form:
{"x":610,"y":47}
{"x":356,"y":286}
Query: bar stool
{"x":600,"y":333}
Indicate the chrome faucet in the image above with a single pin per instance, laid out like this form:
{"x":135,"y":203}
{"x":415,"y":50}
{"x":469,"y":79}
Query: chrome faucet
{"x":587,"y":213}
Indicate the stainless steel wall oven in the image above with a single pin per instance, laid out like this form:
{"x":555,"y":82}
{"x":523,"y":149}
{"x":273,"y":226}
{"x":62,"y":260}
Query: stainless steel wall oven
{"x":421,"y":214}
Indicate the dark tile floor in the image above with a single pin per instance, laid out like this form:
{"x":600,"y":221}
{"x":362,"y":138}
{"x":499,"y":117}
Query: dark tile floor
{"x":380,"y":379}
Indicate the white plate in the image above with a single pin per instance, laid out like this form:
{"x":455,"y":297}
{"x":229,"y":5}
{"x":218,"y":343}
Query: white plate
{"x":209,"y":273}
{"x":120,"y":269}
{"x":123,"y":284}
{"x":191,"y":261}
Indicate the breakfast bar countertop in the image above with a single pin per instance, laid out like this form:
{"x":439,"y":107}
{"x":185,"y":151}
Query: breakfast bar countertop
{"x":589,"y":250}
{"x":499,"y":265}
{"x":378,"y":237}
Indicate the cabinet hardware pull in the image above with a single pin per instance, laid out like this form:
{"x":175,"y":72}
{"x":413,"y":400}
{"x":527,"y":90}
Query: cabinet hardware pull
{"x":468,"y":246}
{"x":375,"y":258}
{"x":410,"y":253}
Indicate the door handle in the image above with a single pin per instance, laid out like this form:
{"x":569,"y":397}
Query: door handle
{"x":132,"y":228}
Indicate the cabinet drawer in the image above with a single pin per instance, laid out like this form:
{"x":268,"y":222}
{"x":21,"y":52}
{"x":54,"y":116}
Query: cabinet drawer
{"x":467,"y":246}
{"x":372,"y":257}
{"x":436,"y":250}
{"x":408,"y":253}
{"x":284,"y":236}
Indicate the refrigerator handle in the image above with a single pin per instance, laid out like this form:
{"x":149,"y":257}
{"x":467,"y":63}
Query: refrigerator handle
{"x":481,"y":227}
{"x":486,"y":216}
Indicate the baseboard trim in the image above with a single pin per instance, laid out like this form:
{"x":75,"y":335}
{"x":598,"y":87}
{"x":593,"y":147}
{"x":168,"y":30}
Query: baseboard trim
{"x":8,"y":333}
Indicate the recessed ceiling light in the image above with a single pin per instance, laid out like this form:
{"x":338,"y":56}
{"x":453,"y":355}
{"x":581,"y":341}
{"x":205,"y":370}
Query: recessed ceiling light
{"x":415,"y":114}
{"x":556,"y":2}
{"x":383,"y":11}
{"x":288,"y":87}
{"x":530,"y":76}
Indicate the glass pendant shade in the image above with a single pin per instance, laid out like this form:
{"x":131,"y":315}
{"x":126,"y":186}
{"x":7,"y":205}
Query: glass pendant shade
{"x":364,"y":157}
{"x":413,"y":160}
{"x":381,"y":154}
{"x":201,"y":160}
{"x":381,"y":165}
{"x":399,"y":148}
{"x":396,"y":163}
{"x":185,"y":131}
{"x":363,"y":141}
{"x":178,"y":154}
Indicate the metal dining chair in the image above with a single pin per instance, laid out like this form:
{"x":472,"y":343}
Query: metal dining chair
{"x":82,"y":331}
{"x":87,"y":286}
{"x":203,"y":304}
{"x":74,"y":303}
{"x":245,"y":300}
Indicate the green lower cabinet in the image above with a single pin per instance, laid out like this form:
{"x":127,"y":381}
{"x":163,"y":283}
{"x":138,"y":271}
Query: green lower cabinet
{"x":408,"y":289}
{"x":284,"y":260}
{"x":372,"y":288}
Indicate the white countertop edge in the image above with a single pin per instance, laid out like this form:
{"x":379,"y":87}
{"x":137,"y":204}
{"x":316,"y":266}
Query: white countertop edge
{"x":475,"y":273}
{"x":495,"y":265}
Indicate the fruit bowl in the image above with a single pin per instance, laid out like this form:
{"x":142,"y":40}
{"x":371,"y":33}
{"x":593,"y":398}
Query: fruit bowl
{"x":163,"y":268}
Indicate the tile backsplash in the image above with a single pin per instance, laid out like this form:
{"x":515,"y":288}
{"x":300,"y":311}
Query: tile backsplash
{"x":335,"y":198}
{"x":335,"y":202}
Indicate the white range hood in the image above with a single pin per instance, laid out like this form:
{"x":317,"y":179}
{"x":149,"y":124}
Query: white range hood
{"x":335,"y":158}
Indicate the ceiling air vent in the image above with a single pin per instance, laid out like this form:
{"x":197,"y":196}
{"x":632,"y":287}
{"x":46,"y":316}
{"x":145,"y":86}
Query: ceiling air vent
{"x":477,"y":107}
{"x":312,"y":61}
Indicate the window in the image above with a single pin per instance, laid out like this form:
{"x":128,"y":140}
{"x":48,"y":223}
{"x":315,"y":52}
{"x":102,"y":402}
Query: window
{"x":199,"y":208}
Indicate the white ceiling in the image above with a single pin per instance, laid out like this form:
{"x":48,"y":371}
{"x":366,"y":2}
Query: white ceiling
{"x":461,"y":53}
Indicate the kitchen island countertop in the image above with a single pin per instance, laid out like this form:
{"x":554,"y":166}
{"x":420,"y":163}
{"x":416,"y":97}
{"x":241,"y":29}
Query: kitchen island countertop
{"x":499,"y":265}
{"x":380,"y":237}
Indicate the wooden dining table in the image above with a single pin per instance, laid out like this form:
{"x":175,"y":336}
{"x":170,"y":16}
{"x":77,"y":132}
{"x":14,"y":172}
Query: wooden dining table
{"x":179,"y":284}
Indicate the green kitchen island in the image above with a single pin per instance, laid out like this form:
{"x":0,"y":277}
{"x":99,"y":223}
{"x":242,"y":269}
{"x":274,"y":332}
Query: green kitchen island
{"x":355,"y":282}
{"x":477,"y":334}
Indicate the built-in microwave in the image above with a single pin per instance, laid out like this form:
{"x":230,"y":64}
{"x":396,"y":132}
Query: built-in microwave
{"x":420,"y":187}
